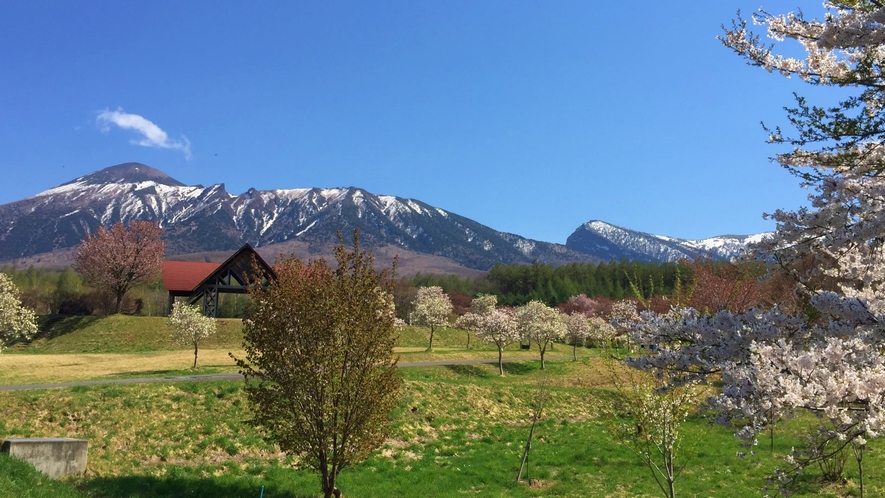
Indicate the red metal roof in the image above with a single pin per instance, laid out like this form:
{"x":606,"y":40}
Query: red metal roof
{"x":184,"y":276}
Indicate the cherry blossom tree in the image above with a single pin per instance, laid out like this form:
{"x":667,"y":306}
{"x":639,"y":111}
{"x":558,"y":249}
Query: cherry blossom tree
{"x":578,"y":329}
{"x":582,"y":304}
{"x":431,"y":308}
{"x":482,"y":304}
{"x":16,"y":321}
{"x":541,"y":324}
{"x":498,"y":327}
{"x":601,"y":332}
{"x":190,"y":326}
{"x":121,"y":257}
{"x":827,"y":360}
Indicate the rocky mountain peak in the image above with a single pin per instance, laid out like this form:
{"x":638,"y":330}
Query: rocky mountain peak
{"x":128,"y":173}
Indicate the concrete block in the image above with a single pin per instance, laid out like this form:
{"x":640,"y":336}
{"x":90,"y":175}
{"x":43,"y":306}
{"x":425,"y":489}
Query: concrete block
{"x":54,"y":456}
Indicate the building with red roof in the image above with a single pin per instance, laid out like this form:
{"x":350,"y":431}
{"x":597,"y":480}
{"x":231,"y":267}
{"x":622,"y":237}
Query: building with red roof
{"x":200,"y":282}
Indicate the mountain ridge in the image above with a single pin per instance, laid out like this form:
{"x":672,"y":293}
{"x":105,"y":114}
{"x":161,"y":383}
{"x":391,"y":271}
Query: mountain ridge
{"x":198,"y":219}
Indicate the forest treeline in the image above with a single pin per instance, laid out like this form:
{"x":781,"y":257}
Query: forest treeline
{"x":517,"y":284}
{"x":706,"y":285}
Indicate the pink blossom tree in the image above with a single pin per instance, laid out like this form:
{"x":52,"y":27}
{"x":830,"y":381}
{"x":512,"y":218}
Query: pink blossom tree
{"x":121,"y":257}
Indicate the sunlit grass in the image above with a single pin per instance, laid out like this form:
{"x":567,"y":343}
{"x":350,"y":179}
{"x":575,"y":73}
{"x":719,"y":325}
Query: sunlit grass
{"x":459,"y":430}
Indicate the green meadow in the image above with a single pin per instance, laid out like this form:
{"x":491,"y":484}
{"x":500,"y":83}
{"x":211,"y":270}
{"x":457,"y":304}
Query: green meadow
{"x":459,"y":430}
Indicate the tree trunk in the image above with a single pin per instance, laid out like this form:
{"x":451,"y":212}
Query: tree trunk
{"x":542,"y":351}
{"x":431,"y":339}
{"x":575,"y":351}
{"x":119,"y":307}
{"x":500,"y":361}
{"x":328,"y":480}
{"x":195,"y":356}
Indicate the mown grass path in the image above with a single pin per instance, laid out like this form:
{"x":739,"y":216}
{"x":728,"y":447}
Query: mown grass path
{"x":234,"y":376}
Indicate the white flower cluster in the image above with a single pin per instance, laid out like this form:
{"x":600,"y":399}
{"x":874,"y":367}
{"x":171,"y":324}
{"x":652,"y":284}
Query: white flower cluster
{"x":540,"y":323}
{"x":16,"y":321}
{"x":431,"y":307}
{"x":828,"y":360}
{"x":189,"y":325}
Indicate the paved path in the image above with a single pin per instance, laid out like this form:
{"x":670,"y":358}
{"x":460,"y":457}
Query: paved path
{"x":237,"y":376}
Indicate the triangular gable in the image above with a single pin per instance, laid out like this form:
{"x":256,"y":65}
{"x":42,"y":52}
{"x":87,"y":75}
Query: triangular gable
{"x":204,"y":281}
{"x":239,"y":265}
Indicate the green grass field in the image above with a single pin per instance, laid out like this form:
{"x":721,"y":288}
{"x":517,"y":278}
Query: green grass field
{"x":459,"y":430}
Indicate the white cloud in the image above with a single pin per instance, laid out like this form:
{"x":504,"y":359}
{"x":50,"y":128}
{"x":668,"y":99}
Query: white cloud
{"x":152,"y":135}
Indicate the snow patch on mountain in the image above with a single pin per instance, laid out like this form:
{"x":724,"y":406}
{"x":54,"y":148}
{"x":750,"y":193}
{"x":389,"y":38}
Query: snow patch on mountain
{"x":599,"y":237}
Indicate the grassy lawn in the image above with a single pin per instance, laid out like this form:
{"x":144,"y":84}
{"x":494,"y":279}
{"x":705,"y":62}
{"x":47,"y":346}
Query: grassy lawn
{"x":94,"y":348}
{"x":459,"y":430}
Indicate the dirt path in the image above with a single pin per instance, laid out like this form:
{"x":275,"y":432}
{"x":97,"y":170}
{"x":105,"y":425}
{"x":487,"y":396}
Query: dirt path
{"x":235,"y":376}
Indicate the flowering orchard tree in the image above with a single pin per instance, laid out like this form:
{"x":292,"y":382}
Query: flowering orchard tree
{"x":582,"y":304}
{"x":624,"y":314}
{"x":16,"y":321}
{"x":578,"y":328}
{"x":541,"y":324}
{"x":189,"y":326}
{"x":483,"y":304}
{"x":828,"y":361}
{"x":431,"y":308}
{"x":601,"y":332}
{"x":118,"y":258}
{"x":498,"y":327}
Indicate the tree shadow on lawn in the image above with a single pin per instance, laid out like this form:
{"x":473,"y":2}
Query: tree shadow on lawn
{"x":53,"y":326}
{"x":181,"y":372}
{"x":470,"y":371}
{"x":190,"y":486}
{"x":521,"y":367}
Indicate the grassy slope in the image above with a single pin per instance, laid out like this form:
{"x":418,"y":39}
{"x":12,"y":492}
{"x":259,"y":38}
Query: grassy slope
{"x":94,"y":348}
{"x":135,"y":334}
{"x":458,"y":430}
{"x":21,"y":480}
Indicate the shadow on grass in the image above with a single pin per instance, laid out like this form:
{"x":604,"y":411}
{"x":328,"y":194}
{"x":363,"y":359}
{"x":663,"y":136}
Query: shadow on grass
{"x":190,"y":486}
{"x":168,"y":373}
{"x":470,"y":371}
{"x":521,"y":367}
{"x":50,"y":327}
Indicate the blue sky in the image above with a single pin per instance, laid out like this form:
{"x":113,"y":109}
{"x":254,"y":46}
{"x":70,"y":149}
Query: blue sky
{"x":529,"y":117}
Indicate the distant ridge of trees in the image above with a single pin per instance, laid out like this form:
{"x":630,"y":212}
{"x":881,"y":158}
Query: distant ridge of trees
{"x":517,"y":284}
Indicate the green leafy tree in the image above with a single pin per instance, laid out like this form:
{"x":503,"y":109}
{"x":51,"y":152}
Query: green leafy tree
{"x":647,"y":418}
{"x":319,"y":360}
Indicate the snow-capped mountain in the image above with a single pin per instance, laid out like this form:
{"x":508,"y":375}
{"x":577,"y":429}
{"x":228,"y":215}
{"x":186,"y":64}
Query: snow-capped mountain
{"x":611,"y":242}
{"x":197,"y":218}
